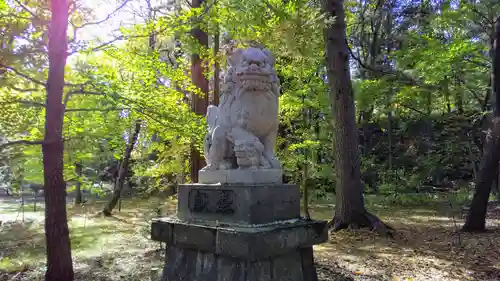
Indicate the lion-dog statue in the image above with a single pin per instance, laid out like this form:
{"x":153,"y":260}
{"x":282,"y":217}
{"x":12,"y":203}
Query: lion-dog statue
{"x":242,"y":130}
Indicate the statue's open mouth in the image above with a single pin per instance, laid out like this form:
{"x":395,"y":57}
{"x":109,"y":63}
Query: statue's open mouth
{"x":253,"y":75}
{"x":255,"y":80}
{"x":255,"y":84}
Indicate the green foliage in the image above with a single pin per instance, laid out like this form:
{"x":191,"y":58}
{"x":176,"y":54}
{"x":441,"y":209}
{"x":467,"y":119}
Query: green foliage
{"x":432,"y":60}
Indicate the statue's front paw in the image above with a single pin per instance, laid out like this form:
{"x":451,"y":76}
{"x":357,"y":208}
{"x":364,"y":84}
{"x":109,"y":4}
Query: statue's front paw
{"x":273,"y":162}
{"x":225,"y":165}
{"x":265,"y":165}
{"x":209,"y":167}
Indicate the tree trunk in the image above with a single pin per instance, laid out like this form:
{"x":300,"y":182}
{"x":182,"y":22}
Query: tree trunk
{"x":305,"y":171}
{"x":388,"y":30}
{"x":78,"y":172}
{"x":389,"y":136}
{"x":448,"y":102}
{"x":496,"y":68}
{"x":476,"y":218}
{"x":429,"y":103}
{"x":199,"y":103}
{"x":491,"y":93}
{"x":367,"y":136}
{"x":59,"y":262}
{"x":495,"y":78}
{"x":216,"y":69}
{"x":349,"y":207}
{"x":122,"y":172}
{"x":487,"y":96}
{"x":459,"y":101}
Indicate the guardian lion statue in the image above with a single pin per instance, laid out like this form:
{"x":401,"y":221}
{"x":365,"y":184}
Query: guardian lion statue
{"x":242,"y":130}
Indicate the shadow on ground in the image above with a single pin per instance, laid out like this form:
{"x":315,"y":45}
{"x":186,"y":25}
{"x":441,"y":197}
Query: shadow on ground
{"x":114,"y":248}
{"x":428,"y":245}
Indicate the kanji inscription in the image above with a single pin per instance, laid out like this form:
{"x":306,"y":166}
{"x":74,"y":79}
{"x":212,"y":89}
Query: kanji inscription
{"x":212,"y":201}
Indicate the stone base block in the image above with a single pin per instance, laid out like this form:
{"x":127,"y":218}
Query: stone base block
{"x":261,"y":176}
{"x":246,"y":243}
{"x":238,"y":204}
{"x":190,"y":265}
{"x":282,"y":252}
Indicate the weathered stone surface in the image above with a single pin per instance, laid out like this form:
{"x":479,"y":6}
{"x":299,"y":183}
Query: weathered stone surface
{"x":257,"y":176}
{"x":185,"y":264}
{"x":247,"y":243}
{"x":188,"y":265}
{"x":282,"y":269}
{"x":199,"y":238}
{"x":179,"y":264}
{"x":162,"y":230}
{"x":230,"y":269}
{"x":308,"y":268}
{"x":259,"y":270}
{"x":206,"y":267}
{"x":242,"y":130}
{"x":274,"y":241}
{"x":238,"y":204}
{"x":163,"y":233}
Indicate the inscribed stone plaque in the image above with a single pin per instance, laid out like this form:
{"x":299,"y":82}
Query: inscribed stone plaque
{"x":211,"y":201}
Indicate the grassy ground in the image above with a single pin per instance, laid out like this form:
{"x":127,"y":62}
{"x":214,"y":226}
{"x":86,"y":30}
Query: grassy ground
{"x":427,"y":246}
{"x":116,"y":248}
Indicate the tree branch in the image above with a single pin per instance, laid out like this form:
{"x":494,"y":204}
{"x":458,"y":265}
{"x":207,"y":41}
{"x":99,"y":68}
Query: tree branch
{"x":79,"y":92}
{"x":26,"y":9}
{"x":95,"y":109}
{"x":18,"y":73}
{"x":476,"y":95}
{"x":83,"y":92}
{"x":99,"y":47}
{"x":478,"y":13}
{"x":26,"y":102}
{"x":406,"y":79}
{"x":39,"y":104}
{"x":105,"y":19}
{"x":122,"y":37}
{"x":21,"y":142}
{"x":486,"y":65}
{"x":78,"y":85}
{"x":22,"y":90}
{"x":75,"y":29}
{"x":412,"y":108}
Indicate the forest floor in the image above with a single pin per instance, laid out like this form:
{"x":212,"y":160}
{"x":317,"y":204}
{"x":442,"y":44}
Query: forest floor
{"x":427,"y":245}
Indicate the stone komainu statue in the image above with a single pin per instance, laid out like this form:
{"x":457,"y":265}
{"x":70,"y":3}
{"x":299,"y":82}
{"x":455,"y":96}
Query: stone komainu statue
{"x":242,"y":130}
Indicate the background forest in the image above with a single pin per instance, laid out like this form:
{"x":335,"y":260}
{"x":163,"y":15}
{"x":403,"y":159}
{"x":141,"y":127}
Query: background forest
{"x":140,"y":73}
{"x":421,"y":73}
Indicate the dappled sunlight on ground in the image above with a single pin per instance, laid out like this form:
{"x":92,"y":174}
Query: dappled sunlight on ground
{"x":11,"y":209}
{"x":117,"y":246}
{"x":427,"y":246}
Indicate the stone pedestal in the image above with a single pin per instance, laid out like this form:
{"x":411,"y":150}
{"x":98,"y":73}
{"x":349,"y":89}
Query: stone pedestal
{"x":239,"y":233}
{"x":239,"y":176}
{"x":238,"y":204}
